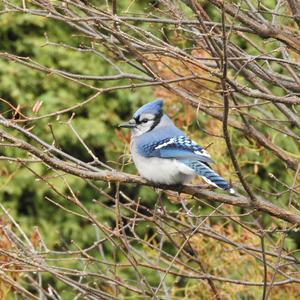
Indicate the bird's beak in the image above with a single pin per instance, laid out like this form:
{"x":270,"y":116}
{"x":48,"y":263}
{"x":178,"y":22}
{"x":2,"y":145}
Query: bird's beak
{"x":130,"y":124}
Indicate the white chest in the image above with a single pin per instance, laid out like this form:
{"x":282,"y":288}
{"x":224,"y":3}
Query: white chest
{"x":159,"y":170}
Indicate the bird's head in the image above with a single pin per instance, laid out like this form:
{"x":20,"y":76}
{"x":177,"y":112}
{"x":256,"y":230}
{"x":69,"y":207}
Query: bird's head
{"x":145,"y":118}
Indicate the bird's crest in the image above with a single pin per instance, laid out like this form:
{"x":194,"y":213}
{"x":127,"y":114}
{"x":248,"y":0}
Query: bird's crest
{"x":154,"y":107}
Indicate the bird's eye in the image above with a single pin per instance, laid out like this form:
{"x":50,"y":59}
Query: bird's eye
{"x":144,"y":120}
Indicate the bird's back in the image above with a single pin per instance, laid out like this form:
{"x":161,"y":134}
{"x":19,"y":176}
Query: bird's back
{"x":166,"y":129}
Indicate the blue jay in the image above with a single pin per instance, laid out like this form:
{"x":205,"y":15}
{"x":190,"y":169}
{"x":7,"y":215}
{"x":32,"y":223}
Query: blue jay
{"x":163,"y":154}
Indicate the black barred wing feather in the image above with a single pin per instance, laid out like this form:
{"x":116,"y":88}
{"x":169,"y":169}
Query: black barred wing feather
{"x":209,"y":175}
{"x":180,"y":147}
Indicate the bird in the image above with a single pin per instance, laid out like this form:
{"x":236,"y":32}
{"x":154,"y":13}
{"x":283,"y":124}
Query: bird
{"x":163,"y":154}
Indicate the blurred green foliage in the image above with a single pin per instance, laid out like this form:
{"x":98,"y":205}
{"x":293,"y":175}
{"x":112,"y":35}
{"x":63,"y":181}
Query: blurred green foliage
{"x":24,"y":35}
{"x":25,"y":195}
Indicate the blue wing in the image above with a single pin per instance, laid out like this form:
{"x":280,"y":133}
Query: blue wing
{"x":189,"y":153}
{"x":180,"y":147}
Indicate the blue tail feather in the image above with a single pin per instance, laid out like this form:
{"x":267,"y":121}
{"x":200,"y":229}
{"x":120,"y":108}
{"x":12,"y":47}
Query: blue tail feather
{"x":209,"y":175}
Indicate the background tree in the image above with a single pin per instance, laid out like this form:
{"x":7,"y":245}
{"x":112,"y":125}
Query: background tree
{"x":75,"y":223}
